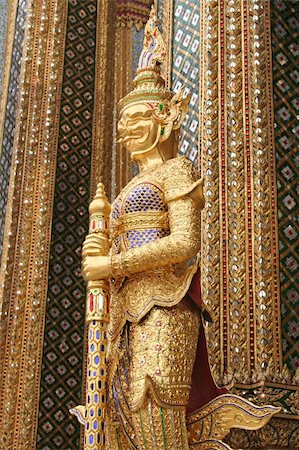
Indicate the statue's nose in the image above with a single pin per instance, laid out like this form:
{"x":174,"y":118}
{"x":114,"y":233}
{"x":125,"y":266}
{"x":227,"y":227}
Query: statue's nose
{"x":120,"y":125}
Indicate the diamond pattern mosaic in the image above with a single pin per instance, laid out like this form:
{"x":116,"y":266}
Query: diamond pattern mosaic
{"x":285,"y":46}
{"x":61,"y":377}
{"x":10,"y":116}
{"x":185,"y":70}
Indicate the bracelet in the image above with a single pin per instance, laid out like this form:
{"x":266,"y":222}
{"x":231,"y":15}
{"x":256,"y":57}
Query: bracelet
{"x":115,"y":265}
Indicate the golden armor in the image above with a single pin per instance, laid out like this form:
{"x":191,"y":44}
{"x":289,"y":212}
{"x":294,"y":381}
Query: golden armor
{"x":155,"y":235}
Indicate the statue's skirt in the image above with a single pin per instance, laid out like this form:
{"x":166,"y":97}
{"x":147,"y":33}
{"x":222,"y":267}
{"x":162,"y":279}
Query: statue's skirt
{"x":165,"y":353}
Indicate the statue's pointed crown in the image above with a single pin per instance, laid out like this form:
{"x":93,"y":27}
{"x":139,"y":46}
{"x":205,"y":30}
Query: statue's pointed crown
{"x":149,"y":85}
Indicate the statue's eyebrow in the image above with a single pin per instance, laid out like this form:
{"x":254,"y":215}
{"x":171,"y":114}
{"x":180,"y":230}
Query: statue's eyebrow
{"x":138,"y":114}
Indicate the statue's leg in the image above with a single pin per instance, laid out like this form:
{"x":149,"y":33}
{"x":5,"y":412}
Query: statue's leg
{"x":160,"y":428}
{"x":121,"y":431}
{"x":151,"y":372}
{"x":116,"y":438}
{"x":151,"y":427}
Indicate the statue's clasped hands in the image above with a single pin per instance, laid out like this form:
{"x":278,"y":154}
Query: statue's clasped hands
{"x":94,"y":265}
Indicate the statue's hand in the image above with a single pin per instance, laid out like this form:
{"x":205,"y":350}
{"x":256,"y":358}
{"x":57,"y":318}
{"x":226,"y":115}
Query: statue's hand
{"x":95,"y":268}
{"x":95,"y":244}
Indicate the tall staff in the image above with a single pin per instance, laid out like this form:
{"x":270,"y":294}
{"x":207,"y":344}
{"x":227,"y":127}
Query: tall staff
{"x":92,"y":415}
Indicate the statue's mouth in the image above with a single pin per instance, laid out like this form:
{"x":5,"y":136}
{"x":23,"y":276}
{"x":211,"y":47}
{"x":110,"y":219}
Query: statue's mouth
{"x":131,"y":136}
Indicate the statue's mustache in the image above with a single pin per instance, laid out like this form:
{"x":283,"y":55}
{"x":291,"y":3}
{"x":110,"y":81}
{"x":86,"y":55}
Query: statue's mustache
{"x":127,"y":135}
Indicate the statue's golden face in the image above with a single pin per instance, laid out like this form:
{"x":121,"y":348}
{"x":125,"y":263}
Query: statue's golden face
{"x":137,"y":128}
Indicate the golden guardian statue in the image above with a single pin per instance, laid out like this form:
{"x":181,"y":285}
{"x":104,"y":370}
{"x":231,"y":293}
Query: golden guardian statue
{"x":159,"y":390}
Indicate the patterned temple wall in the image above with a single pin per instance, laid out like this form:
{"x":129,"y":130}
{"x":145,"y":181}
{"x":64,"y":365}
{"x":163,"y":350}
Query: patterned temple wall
{"x":48,"y":177}
{"x":185,"y":70}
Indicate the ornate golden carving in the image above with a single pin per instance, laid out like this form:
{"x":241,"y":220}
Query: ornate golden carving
{"x":152,"y":262}
{"x":135,"y":221}
{"x":265,"y":241}
{"x":212,"y":423}
{"x":278,"y":433}
{"x":148,"y":277}
{"x":28,"y":222}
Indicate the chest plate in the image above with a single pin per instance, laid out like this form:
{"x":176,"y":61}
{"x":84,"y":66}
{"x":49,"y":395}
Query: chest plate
{"x":139,"y":217}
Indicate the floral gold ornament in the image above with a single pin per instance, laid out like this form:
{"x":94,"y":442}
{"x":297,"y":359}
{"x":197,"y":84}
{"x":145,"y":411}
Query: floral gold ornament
{"x":157,"y":359}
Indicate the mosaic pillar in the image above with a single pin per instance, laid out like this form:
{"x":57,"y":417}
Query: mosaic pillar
{"x":102,"y":139}
{"x":236,"y":156}
{"x":24,"y":267}
{"x":123,"y":82}
{"x":240,"y":254}
{"x":84,"y":156}
{"x":240,"y":259}
{"x":222,"y":54}
{"x":9,"y":96}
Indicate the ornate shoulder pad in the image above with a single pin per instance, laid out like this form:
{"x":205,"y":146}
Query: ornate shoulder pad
{"x":181,"y":181}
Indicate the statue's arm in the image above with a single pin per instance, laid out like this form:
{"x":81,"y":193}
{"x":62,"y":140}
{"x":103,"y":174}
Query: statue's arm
{"x":184,"y":239}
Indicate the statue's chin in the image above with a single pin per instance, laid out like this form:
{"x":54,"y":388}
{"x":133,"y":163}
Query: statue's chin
{"x":138,"y":154}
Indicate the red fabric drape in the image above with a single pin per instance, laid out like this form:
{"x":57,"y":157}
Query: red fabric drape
{"x":203,"y":388}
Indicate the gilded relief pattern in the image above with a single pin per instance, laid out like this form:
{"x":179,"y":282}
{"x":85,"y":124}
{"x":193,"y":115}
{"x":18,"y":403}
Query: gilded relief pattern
{"x":27,"y":234}
{"x":266,"y":305}
{"x":279,"y":433}
{"x":234,"y":198}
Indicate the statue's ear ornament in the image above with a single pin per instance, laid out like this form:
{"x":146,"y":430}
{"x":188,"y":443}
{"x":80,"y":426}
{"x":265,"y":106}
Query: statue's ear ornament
{"x":171,"y":113}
